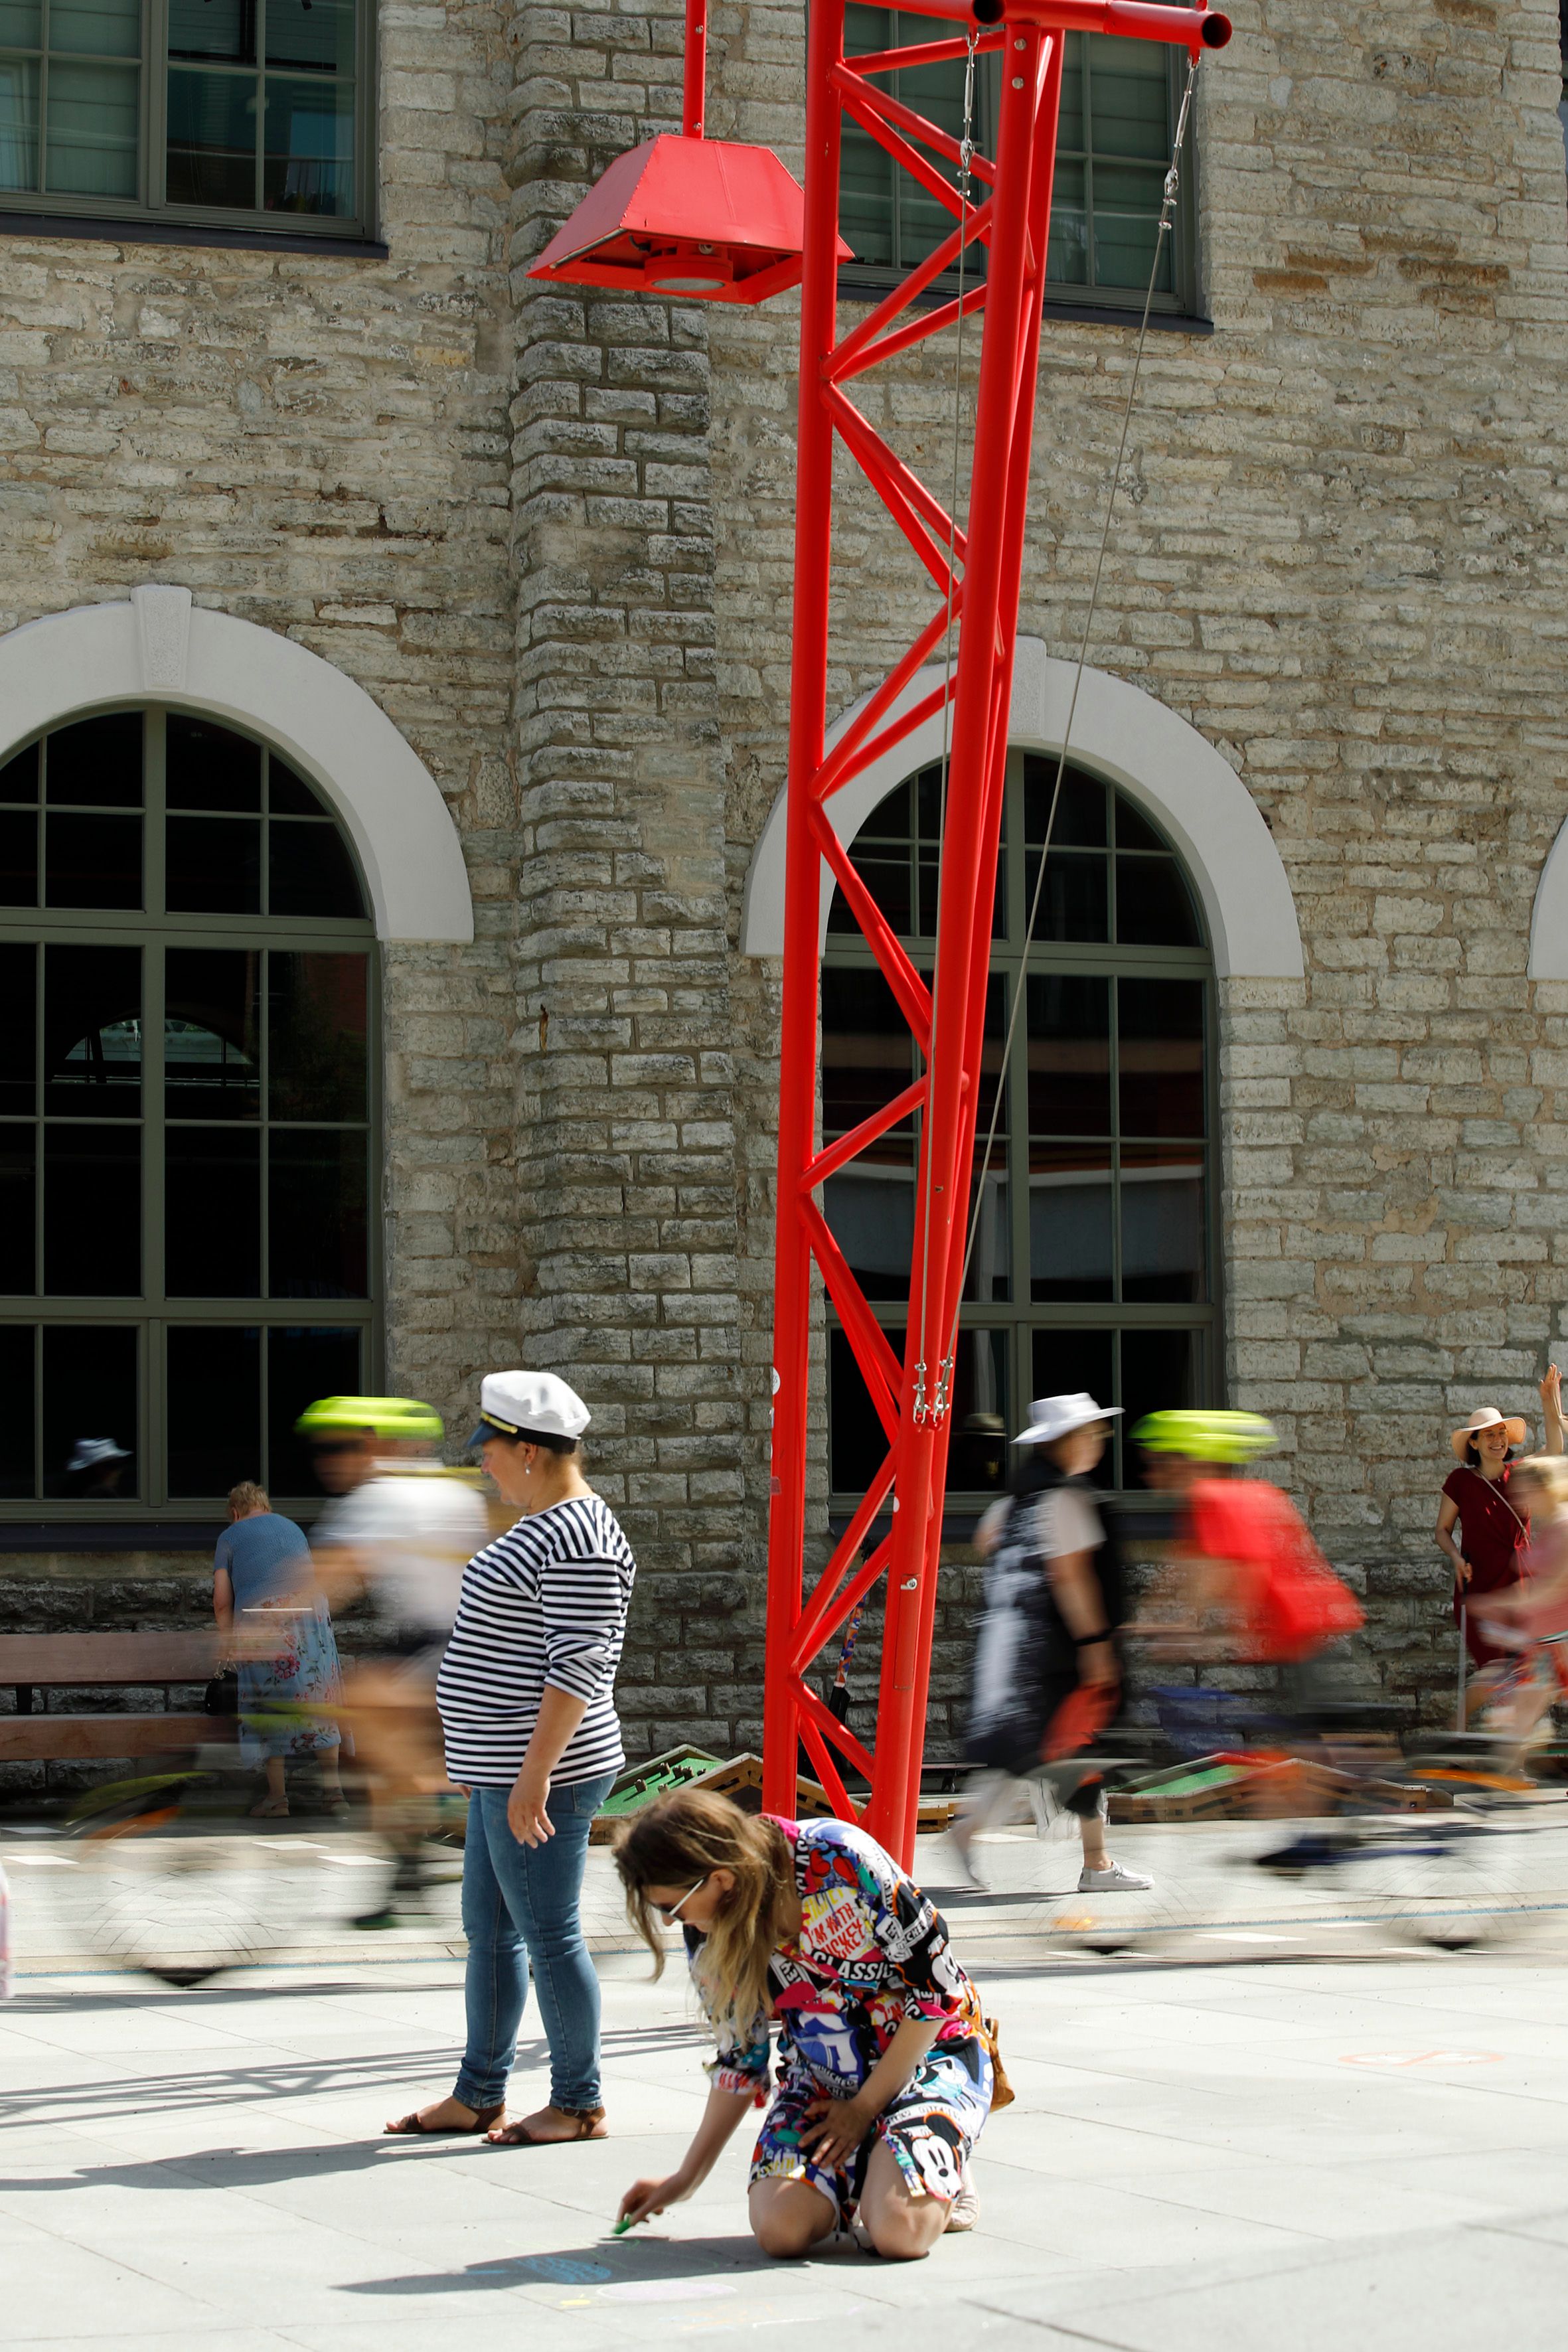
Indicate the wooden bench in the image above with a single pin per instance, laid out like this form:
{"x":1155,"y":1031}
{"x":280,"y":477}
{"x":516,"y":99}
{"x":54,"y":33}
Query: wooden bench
{"x":33,"y":1663}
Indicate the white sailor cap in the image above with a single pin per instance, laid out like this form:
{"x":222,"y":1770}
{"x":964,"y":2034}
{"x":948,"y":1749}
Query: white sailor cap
{"x":528,"y":1404}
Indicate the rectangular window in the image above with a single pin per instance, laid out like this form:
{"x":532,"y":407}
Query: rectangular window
{"x":1119,"y":108}
{"x":253,"y":113}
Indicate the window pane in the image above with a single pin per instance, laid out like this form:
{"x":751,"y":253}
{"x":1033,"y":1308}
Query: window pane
{"x":1160,"y":1050}
{"x":1129,"y":85}
{"x":18,"y":1007}
{"x":21,"y":24}
{"x":1080,"y":807}
{"x":870,"y":1212}
{"x":316,"y":36}
{"x":1067,"y":256}
{"x":1075,"y":903}
{"x":1126,"y":211}
{"x":1153,"y":905}
{"x":866,"y":180}
{"x":221,"y":29}
{"x":977,"y":1459}
{"x":211,"y":1033}
{"x":857,"y":1442}
{"x":1069,"y":122}
{"x":310,"y":872}
{"x":18,"y":123}
{"x":1069,"y":1056}
{"x":214,"y":1409}
{"x":19,"y":777}
{"x":868,"y":1052}
{"x":1069,"y":1363}
{"x":1070,"y":1221}
{"x":92,"y":132}
{"x":287,"y":794}
{"x":92,"y":1211}
{"x":212,"y":139}
{"x":18,"y":1153}
{"x":316,"y":1035}
{"x":92,"y":1031}
{"x":213,"y":866}
{"x":211,"y":767}
{"x":18,"y":852}
{"x":886,"y":874}
{"x":1160,"y":1369}
{"x":308,"y":165}
{"x":92,"y":861}
{"x":990,"y":1274}
{"x":212,"y":1195}
{"x":317,"y":1200}
{"x":89,"y":1403}
{"x":1134,"y":831}
{"x":1163,"y":1222}
{"x":97,"y":763}
{"x":17,"y":1421}
{"x":96,"y":28}
{"x":302,"y":1365}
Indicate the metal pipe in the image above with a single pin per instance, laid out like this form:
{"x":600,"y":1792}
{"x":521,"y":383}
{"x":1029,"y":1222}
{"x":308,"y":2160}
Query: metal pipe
{"x":694,"y":93}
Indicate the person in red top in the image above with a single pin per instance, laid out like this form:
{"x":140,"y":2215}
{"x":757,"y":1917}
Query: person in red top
{"x":1493,"y":1532}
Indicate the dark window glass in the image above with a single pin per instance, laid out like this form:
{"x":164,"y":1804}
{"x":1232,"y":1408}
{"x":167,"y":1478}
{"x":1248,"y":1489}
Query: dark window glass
{"x":19,"y":1154}
{"x":307,"y":165}
{"x":18,"y":859}
{"x":990,"y":1270}
{"x":96,"y":765}
{"x":211,"y":1033}
{"x":288,"y":794}
{"x":1075,"y":901}
{"x":310,"y":872}
{"x":316,"y":1014}
{"x":1070,"y":1220}
{"x":90,"y":1409}
{"x":211,"y":767}
{"x":1070,"y":1054}
{"x":302,"y":1365}
{"x":19,"y":777}
{"x":1160,"y":1370}
{"x":92,"y":861}
{"x":857,"y":1442}
{"x":982,"y":1412}
{"x":212,"y":1212}
{"x":92,"y":1211}
{"x":17,"y":1421}
{"x":1153,"y":905}
{"x":311,"y":35}
{"x":868,"y":1052}
{"x":1134,"y":831}
{"x":18,"y":1024}
{"x":213,"y":866}
{"x":213,"y":1408}
{"x":870,"y":1212}
{"x":92,"y":1031}
{"x":1067,"y":1364}
{"x":1080,"y":807}
{"x":885,"y":871}
{"x":316,"y":1207}
{"x":1163,"y":1253}
{"x":223,"y":30}
{"x":212,"y":139}
{"x":1159,"y":1048}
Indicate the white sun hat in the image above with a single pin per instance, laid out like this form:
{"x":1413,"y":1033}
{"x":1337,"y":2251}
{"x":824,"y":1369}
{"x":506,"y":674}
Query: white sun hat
{"x":528,"y":1404}
{"x":1487,"y":1416}
{"x":1058,"y":1416}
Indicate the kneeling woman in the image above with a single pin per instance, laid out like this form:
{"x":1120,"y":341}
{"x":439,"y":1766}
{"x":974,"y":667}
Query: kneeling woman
{"x":884,"y":2073}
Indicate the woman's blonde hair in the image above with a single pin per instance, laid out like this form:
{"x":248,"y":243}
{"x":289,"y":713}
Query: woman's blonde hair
{"x":683,"y":1838}
{"x":249,"y":1497}
{"x":1549,"y":1472}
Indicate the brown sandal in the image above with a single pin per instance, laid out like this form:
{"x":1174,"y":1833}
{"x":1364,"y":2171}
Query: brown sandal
{"x":590,"y":2123}
{"x":410,"y":2126}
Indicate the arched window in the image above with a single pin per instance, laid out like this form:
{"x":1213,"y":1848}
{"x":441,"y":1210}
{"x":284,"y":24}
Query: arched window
{"x":1094,"y":1263}
{"x":187,"y":1117}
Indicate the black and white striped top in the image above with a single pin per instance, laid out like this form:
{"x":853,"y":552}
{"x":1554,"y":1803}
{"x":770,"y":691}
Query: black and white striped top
{"x":545,"y":1604}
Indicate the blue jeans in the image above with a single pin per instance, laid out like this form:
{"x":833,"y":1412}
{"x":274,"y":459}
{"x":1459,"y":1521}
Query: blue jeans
{"x":520,"y":1912}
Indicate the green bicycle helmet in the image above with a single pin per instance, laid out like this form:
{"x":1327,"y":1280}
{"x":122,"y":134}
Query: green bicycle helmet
{"x":1206,"y":1435}
{"x":388,"y":1417}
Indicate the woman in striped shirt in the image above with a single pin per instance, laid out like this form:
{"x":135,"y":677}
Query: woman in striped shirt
{"x":526,"y":1693}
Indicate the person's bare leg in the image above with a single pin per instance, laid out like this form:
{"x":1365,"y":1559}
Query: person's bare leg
{"x":275,"y":1803}
{"x":900,"y":2225}
{"x":788,"y":2217}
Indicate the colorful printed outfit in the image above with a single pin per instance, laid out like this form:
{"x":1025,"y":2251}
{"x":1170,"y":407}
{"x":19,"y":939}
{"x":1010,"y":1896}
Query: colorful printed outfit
{"x":872,"y":1952}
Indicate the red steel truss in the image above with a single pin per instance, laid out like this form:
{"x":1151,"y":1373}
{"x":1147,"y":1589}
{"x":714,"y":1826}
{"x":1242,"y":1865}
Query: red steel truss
{"x":1009,"y":216}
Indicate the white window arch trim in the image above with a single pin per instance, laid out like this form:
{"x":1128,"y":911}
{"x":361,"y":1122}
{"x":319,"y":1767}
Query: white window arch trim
{"x":1165,"y":765}
{"x":161,"y":648}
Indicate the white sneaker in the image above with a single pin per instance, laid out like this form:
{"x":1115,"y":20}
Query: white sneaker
{"x":961,"y":1834}
{"x":1116,"y":1880}
{"x":964,"y":2210}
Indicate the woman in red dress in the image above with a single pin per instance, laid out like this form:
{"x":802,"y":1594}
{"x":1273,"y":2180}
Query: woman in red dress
{"x":1493,"y":1535}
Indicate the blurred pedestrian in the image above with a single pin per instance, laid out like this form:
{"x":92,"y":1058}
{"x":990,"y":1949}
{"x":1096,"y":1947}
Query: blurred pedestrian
{"x":96,"y":1470}
{"x":527,"y":1698}
{"x":885,"y":2062}
{"x":1048,"y":1639}
{"x":1493,"y":1532}
{"x":398,"y":1534}
{"x":276,"y":1625}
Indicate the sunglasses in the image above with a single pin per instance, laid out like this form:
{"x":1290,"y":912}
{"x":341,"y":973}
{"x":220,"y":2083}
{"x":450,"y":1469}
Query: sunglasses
{"x":674,"y":1910}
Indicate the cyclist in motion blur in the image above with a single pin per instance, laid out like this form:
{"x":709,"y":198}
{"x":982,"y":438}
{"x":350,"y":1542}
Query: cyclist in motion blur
{"x":398,"y":1534}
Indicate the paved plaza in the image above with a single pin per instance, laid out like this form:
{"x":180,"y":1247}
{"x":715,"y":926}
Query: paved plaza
{"x":1281,"y":2143}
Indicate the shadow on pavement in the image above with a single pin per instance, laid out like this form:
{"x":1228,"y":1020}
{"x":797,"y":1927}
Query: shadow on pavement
{"x":653,"y":2260}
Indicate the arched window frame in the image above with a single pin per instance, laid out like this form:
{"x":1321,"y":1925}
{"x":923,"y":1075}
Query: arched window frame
{"x":1017,"y":1319}
{"x":154,"y":929}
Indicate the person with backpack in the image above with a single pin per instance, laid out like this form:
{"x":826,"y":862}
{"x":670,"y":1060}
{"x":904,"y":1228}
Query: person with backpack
{"x":1048,"y":1672}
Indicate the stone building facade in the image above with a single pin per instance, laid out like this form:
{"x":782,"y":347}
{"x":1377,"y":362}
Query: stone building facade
{"x":548,"y":536}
